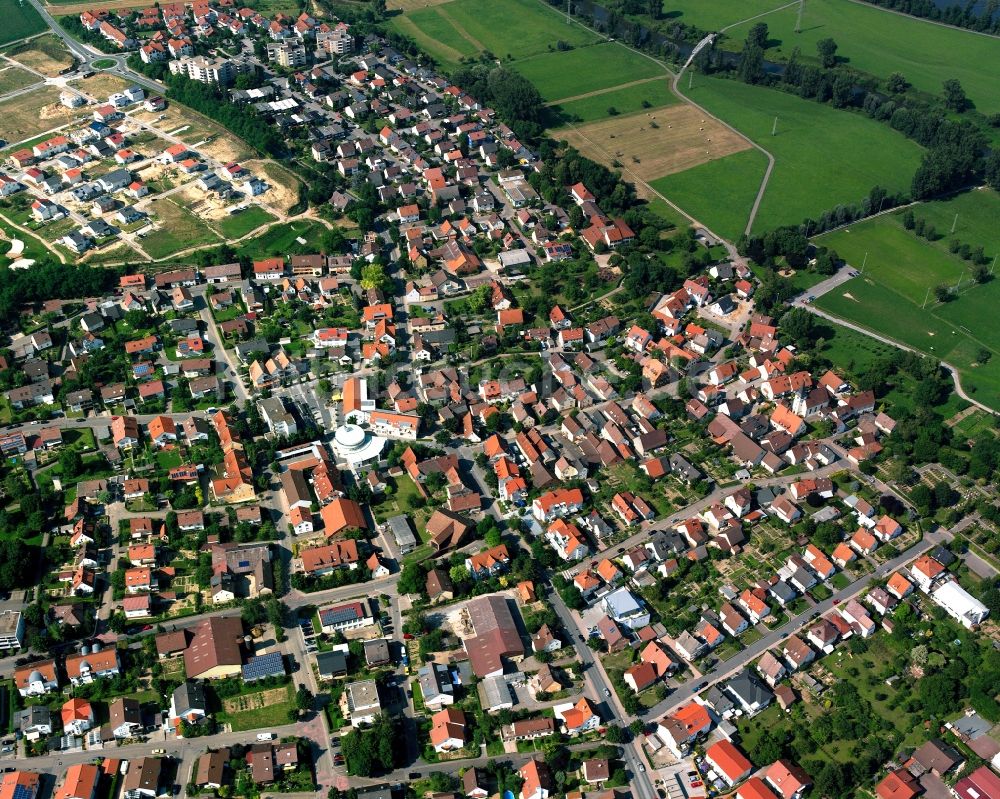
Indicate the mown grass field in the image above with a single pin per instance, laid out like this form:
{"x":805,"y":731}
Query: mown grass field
{"x":654,"y":93}
{"x":819,"y":157}
{"x":513,"y":29}
{"x":735,"y":181}
{"x":895,"y":295}
{"x":567,"y":74}
{"x":19,"y":20}
{"x":713,"y":16}
{"x":238,"y":225}
{"x":879,"y":42}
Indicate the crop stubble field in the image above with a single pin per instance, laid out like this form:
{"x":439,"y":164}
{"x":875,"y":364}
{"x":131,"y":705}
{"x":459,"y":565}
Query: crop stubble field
{"x":656,"y":142}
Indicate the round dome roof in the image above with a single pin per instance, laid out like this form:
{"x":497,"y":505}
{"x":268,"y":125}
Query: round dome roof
{"x":349,"y":436}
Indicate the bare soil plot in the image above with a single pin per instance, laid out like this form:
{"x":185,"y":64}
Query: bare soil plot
{"x":284,"y":191}
{"x":45,"y":54}
{"x":32,"y":114}
{"x":657,"y":142}
{"x":254,"y":701}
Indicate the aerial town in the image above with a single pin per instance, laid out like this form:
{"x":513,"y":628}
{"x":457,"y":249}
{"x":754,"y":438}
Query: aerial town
{"x":367,"y":436}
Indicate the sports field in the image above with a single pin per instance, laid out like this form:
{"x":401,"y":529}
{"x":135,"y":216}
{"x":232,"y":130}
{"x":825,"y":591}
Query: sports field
{"x":823,"y":156}
{"x":718,"y":193}
{"x":19,"y":20}
{"x":567,"y":74}
{"x":656,"y":142}
{"x":895,"y":294}
{"x":879,"y":42}
{"x":604,"y":103}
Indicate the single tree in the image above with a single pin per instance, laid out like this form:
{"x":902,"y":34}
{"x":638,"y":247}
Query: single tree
{"x":954,"y":96}
{"x":827,"y":49}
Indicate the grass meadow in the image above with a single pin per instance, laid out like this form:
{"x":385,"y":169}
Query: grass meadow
{"x":880,"y":42}
{"x":820,"y":160}
{"x":895,"y":295}
{"x":718,"y":193}
{"x":655,"y":93}
{"x":567,"y":74}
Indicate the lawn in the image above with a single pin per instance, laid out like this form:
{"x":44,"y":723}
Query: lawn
{"x":649,"y":94}
{"x":735,"y":181}
{"x":178,"y":229}
{"x":236,"y":226}
{"x":561,"y":75}
{"x":879,"y":42}
{"x":22,"y":20}
{"x":282,"y":240}
{"x":818,"y":161}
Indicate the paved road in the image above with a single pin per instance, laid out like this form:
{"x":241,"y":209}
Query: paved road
{"x":736,"y":663}
{"x":956,"y":379}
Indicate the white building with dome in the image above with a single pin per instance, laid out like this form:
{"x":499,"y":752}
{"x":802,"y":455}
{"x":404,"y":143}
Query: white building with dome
{"x":356,"y":446}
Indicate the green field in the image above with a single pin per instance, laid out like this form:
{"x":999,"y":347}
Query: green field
{"x":573,"y":72}
{"x":819,"y":159}
{"x":281,"y":240}
{"x":735,"y":181}
{"x":511,"y":30}
{"x":438,"y":35}
{"x":895,"y":297}
{"x":22,"y":20}
{"x":655,"y":93}
{"x":879,"y":42}
{"x":238,"y":225}
{"x":713,"y":16}
{"x":179,"y":229}
{"x":514,"y":28}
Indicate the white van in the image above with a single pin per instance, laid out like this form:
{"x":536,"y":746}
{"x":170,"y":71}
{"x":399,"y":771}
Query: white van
{"x":266,"y":736}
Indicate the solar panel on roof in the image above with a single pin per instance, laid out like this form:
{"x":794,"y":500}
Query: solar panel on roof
{"x":338,"y":615}
{"x":23,"y":792}
{"x":261,"y":666}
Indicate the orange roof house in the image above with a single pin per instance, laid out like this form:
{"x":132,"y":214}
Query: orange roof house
{"x":342,"y":514}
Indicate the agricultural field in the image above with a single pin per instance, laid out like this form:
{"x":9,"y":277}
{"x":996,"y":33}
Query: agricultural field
{"x":657,"y":142}
{"x":562,"y":75}
{"x":812,"y":140}
{"x":14,"y":78}
{"x":616,"y":101}
{"x":45,"y":54}
{"x":20,"y":20}
{"x":735,"y":180}
{"x":895,"y":295}
{"x":879,"y":42}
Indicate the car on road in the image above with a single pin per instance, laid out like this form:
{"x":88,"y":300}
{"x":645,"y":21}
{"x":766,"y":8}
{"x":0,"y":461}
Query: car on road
{"x":696,"y":784}
{"x":642,"y":768}
{"x":836,"y":601}
{"x":580,"y":637}
{"x":413,"y":775}
{"x":701,"y":685}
